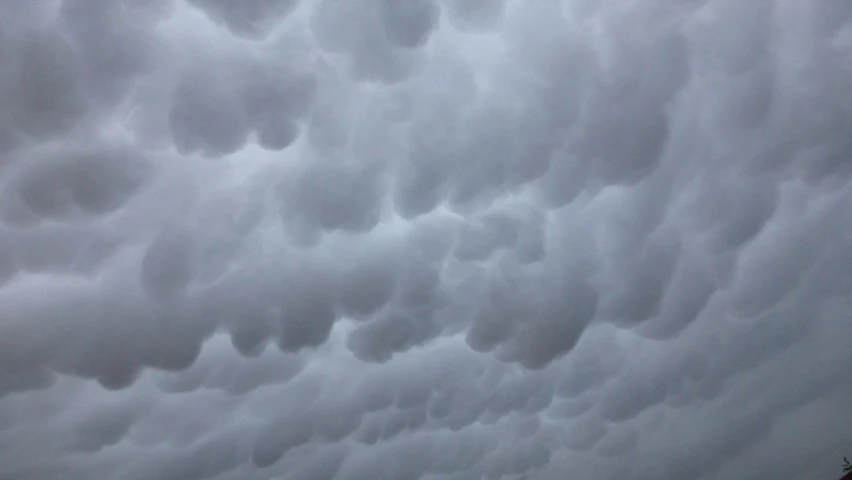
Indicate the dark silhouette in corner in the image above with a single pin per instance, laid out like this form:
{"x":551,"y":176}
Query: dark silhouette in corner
{"x":847,"y":467}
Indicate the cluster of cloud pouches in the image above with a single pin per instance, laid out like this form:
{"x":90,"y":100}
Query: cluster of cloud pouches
{"x":425,"y":239}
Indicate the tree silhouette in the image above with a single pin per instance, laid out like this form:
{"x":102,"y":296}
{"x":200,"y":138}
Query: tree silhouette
{"x":847,"y":467}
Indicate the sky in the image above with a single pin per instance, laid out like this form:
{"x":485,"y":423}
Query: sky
{"x":425,"y":239}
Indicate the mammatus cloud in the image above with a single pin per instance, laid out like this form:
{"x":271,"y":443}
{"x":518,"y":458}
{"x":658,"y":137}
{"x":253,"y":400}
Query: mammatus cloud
{"x":425,"y":239}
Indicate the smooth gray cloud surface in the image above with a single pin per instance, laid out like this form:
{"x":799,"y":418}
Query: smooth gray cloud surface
{"x":425,"y":239}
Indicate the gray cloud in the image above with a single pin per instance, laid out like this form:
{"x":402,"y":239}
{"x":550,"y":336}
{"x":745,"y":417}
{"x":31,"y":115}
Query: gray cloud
{"x":252,"y":19}
{"x":431,"y":239}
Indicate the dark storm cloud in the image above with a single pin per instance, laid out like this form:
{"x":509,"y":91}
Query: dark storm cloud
{"x":431,"y":239}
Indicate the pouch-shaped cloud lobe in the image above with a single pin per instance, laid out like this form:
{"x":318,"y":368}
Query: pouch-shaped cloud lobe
{"x":425,"y":239}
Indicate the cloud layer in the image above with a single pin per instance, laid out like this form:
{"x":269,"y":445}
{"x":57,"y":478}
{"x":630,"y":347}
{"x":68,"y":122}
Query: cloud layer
{"x":425,"y":239}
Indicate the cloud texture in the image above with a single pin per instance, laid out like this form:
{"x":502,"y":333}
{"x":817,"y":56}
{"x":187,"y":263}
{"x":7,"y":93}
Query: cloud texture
{"x":425,"y":239}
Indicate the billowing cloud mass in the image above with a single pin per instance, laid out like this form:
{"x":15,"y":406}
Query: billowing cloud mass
{"x":425,"y":239}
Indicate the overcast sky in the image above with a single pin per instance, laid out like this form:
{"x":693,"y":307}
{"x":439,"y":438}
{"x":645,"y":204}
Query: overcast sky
{"x":425,"y":239}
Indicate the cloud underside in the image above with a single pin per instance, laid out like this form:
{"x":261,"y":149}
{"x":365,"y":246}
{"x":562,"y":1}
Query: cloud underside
{"x":425,"y":239}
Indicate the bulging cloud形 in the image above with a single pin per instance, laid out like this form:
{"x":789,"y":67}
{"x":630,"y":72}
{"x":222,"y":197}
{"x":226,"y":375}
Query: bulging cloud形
{"x":424,"y":239}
